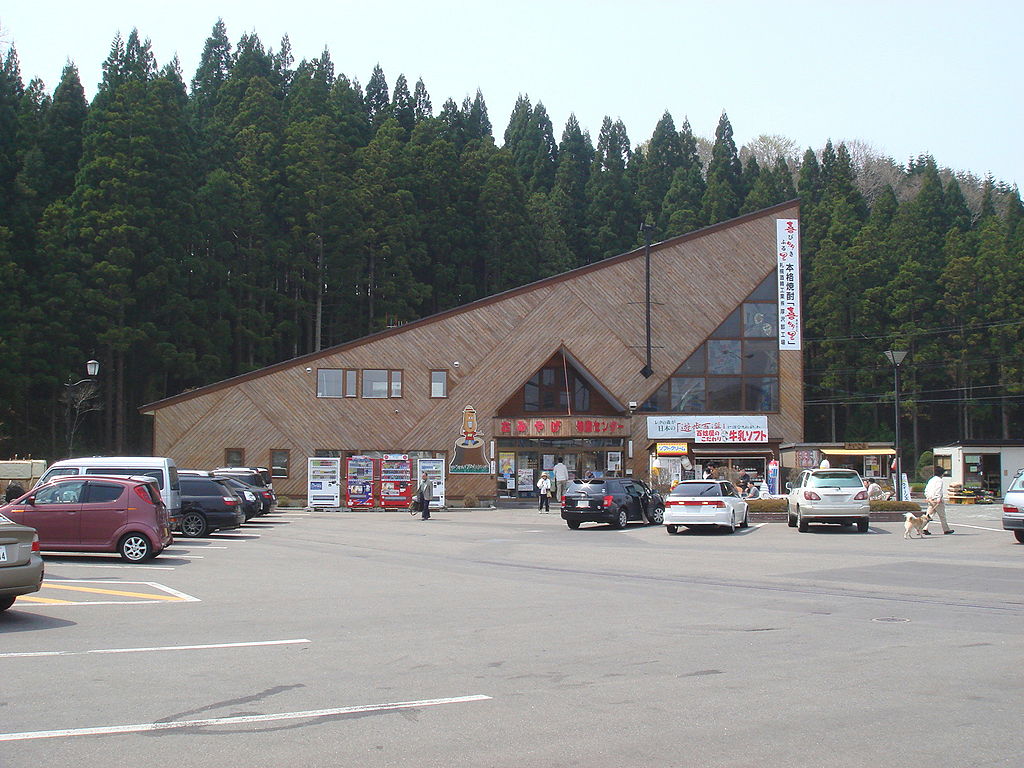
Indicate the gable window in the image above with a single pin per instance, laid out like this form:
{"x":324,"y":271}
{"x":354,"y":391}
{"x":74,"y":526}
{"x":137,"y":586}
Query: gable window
{"x":736,"y":370}
{"x":546,"y":391}
{"x":439,"y":383}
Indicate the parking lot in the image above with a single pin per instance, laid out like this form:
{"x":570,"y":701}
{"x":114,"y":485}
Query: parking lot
{"x":501,"y":638}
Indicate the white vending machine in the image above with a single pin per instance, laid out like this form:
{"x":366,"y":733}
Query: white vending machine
{"x":323,"y":482}
{"x":435,"y":473}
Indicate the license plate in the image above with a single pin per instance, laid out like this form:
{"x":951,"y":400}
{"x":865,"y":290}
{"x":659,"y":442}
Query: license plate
{"x":583,"y":504}
{"x":3,"y":554}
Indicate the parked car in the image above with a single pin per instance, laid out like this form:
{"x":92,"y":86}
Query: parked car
{"x":1013,"y":507}
{"x":160,"y":468}
{"x":653,"y":501}
{"x":829,"y":496}
{"x":21,"y":567}
{"x":208,"y":504}
{"x":614,"y":500}
{"x":254,"y":476}
{"x":253,"y":502}
{"x":76,"y":513}
{"x":695,"y":503}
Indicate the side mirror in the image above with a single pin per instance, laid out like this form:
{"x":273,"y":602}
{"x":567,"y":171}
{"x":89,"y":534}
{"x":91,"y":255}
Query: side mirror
{"x":30,"y":500}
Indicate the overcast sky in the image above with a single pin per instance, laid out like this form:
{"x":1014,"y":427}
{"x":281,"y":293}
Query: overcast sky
{"x":905,"y":76}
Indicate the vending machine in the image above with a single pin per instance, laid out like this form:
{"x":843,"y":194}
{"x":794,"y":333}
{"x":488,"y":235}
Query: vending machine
{"x":396,"y":481}
{"x":360,"y":476}
{"x":435,"y":473}
{"x":323,"y":478}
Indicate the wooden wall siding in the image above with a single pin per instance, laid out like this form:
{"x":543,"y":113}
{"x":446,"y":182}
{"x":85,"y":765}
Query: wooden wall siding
{"x":596,"y":313}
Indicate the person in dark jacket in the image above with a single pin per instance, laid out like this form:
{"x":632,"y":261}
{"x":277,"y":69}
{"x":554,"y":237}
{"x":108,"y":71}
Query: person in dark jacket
{"x":14,"y":490}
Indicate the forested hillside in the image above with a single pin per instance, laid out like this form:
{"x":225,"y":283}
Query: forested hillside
{"x":183,"y":232}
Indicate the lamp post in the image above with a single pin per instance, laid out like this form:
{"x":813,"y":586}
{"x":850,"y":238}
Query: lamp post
{"x":77,"y":397}
{"x":647,"y":371}
{"x":895,"y":358}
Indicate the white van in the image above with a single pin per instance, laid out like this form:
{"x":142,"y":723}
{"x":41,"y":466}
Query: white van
{"x":162,"y":469}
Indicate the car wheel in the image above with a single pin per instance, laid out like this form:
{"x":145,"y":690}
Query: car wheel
{"x":801,"y":524}
{"x":731,"y":527}
{"x":658,"y":516}
{"x":862,"y":526}
{"x":573,"y":524}
{"x":1019,"y":536}
{"x":194,"y":525}
{"x":672,"y":530}
{"x":6,"y":602}
{"x":746,"y":519}
{"x":135,"y":548}
{"x":790,"y":519}
{"x":622,"y":519}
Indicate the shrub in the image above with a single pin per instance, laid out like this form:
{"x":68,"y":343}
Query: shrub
{"x":470,"y":501}
{"x":878,"y":505}
{"x":767,"y":505}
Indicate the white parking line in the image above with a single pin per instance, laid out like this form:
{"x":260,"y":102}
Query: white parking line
{"x":131,"y":567}
{"x":33,"y":654}
{"x":163,"y":726}
{"x":979,"y":527}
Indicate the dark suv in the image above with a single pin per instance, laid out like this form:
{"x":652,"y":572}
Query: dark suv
{"x":208,"y":504}
{"x":614,"y":500}
{"x":255,"y":476}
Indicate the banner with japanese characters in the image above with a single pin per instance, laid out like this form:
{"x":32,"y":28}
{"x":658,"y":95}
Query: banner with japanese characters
{"x":709,"y":429}
{"x":788,"y":250}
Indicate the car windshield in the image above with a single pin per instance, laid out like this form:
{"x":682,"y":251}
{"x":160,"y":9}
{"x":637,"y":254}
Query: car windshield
{"x":834,"y":480}
{"x":1017,"y":484}
{"x":696,"y":489}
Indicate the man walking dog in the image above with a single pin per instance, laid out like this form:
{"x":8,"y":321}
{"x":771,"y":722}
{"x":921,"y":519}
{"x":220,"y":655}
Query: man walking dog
{"x":934,"y":493}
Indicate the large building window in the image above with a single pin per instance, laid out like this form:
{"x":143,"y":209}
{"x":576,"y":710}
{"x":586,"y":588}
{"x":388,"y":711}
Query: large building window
{"x":546,"y":391}
{"x":328,"y":382}
{"x":736,"y":369}
{"x":382,"y":383}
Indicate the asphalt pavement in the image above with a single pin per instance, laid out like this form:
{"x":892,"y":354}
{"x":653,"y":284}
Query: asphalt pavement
{"x":502,"y":638}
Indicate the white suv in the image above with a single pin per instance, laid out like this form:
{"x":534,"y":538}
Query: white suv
{"x":829,"y":496}
{"x":1013,"y":507}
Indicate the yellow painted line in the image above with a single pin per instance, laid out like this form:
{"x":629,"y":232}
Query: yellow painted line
{"x":28,"y":599}
{"x":121,"y":593}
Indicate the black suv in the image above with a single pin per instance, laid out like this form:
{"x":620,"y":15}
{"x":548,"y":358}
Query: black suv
{"x":614,"y":500}
{"x":254,"y":476}
{"x":208,"y":504}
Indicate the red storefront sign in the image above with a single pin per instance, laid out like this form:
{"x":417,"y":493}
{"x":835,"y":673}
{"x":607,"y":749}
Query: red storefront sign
{"x":564,"y":426}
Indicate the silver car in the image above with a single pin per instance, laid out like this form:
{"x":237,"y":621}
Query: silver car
{"x":21,"y":567}
{"x":829,"y":496}
{"x":1013,"y":507}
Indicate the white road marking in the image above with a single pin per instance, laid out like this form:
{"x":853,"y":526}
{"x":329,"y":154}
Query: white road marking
{"x":163,"y":726}
{"x":979,"y":527}
{"x":33,"y":654}
{"x":132,"y":567}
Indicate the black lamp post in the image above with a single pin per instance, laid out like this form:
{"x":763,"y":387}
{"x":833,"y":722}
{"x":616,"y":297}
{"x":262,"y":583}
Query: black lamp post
{"x":77,"y":397}
{"x":896,"y":357}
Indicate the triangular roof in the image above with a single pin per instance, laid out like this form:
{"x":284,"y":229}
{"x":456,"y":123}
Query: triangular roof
{"x":544,"y":283}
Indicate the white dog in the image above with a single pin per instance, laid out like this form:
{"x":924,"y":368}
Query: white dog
{"x":916,"y":522}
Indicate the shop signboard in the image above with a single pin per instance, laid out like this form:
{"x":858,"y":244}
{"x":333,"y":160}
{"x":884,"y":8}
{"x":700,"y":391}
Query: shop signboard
{"x":395,"y":480}
{"x":360,"y":477}
{"x":670,"y":449}
{"x":434,"y":469}
{"x":562,"y":426}
{"x":525,"y":479}
{"x":788,"y":268}
{"x":469,"y":458}
{"x":709,"y":428}
{"x":323,"y":482}
{"x":614,"y":461}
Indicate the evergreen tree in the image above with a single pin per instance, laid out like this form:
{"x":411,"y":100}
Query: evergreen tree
{"x":659,"y":161}
{"x":724,"y":193}
{"x":612,"y":219}
{"x":378,"y":103}
{"x":403,"y":108}
{"x":569,"y":193}
{"x":422,"y":108}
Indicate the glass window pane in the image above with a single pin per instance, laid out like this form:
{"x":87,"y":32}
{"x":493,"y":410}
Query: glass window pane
{"x":328,"y":382}
{"x":767,"y":290}
{"x":688,"y":395}
{"x":694,"y":363}
{"x":396,"y":383}
{"x":761,"y":394}
{"x":279,"y":463}
{"x":724,"y":394}
{"x":531,"y":394}
{"x":439,"y":383}
{"x":100,"y":493}
{"x":761,"y":320}
{"x":351,"y":377}
{"x":375,"y":383}
{"x":760,"y":357}
{"x":730,"y":327}
{"x":234,"y":457}
{"x":724,"y":356}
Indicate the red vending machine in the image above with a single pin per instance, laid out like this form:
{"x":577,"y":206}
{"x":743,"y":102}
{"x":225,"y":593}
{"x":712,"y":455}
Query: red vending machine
{"x":396,"y":481}
{"x":361,"y":475}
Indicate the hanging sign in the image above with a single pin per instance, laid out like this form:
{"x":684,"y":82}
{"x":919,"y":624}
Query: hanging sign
{"x":788,"y":252}
{"x":670,"y":449}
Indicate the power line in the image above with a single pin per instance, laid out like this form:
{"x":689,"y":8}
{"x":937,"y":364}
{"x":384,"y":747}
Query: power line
{"x":915,"y":400}
{"x":924,"y":332}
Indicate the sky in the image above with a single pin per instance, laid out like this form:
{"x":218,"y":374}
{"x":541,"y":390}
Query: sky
{"x":906,"y":77}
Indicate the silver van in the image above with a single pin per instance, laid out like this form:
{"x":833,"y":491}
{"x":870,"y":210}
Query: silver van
{"x":160,"y":468}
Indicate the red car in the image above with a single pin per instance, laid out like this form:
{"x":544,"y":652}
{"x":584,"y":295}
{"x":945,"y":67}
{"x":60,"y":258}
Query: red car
{"x":95,"y":513}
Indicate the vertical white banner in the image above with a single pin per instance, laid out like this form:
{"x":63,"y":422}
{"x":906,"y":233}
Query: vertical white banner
{"x":787,"y":233}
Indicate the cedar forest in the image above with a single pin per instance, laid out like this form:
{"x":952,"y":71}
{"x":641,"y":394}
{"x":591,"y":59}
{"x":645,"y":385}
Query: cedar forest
{"x":182,"y":234}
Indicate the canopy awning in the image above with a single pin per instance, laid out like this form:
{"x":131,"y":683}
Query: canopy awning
{"x":859,"y":451}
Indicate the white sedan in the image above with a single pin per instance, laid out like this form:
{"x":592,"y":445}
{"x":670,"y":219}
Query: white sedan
{"x":694,"y":503}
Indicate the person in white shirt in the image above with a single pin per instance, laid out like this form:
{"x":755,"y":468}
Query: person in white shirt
{"x":543,"y":493}
{"x":934,"y":494}
{"x":874,"y":490}
{"x":561,"y":473}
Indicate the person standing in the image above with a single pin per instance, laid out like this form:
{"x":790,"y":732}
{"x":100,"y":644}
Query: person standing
{"x":561,"y":473}
{"x":424,"y":494}
{"x":544,"y":493}
{"x":934,"y":494}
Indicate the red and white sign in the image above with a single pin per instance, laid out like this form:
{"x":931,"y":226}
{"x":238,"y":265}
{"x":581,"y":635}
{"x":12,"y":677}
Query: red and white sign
{"x":788,"y":252}
{"x":709,"y":429}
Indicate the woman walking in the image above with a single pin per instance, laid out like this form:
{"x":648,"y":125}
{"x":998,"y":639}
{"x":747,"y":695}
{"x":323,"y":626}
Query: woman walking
{"x":543,"y":493}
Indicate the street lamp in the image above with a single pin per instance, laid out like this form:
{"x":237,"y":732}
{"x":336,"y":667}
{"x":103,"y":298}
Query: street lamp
{"x":895,"y":358}
{"x":77,"y":401}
